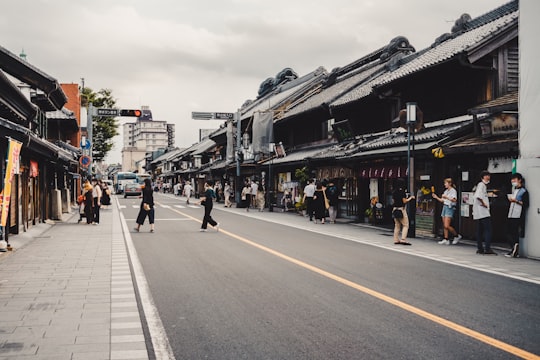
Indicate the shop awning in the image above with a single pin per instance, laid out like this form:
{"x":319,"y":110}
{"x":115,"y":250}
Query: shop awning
{"x":397,"y":150}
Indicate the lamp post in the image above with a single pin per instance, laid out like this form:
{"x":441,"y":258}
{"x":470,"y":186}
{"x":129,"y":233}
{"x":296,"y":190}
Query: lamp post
{"x":411,"y":122}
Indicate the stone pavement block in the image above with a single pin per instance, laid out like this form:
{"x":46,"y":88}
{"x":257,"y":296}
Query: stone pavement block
{"x":98,"y":355}
{"x":49,"y":349}
{"x":141,"y":345}
{"x":101,"y":329}
{"x":127,"y":338}
{"x":98,"y":339}
{"x":129,"y":355}
{"x":18,"y":348}
{"x":12,"y":315}
{"x":126,"y":332}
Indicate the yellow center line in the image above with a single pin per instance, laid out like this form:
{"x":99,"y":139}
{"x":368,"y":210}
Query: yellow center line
{"x":390,"y":300}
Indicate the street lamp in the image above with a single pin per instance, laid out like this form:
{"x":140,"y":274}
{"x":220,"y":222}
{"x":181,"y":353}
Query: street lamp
{"x":411,"y":123}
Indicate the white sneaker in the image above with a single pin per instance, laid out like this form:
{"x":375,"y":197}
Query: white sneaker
{"x":456,"y":239}
{"x":202,"y":230}
{"x":444,"y":242}
{"x":217,"y":227}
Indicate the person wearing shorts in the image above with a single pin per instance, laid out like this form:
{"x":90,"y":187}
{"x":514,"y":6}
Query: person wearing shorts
{"x":449,"y":200}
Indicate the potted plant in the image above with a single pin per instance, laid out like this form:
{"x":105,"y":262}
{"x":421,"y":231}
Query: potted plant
{"x":368,"y":215}
{"x":300,"y":207}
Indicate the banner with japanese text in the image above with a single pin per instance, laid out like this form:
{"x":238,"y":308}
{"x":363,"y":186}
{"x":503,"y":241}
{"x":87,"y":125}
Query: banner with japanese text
{"x":12,"y":167}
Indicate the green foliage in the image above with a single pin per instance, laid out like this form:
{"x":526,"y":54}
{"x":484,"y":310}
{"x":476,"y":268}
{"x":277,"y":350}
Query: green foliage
{"x":104,"y":128}
{"x":302,"y":175}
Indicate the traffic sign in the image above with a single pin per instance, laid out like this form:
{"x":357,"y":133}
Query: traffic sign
{"x":106,"y":112}
{"x":85,"y":144}
{"x":197,"y":115}
{"x":84,"y":161}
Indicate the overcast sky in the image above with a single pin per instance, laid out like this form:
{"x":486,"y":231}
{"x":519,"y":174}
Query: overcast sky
{"x":179,"y":56}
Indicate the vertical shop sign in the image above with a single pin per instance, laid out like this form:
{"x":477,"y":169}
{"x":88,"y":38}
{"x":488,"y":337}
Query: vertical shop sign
{"x":12,"y":167}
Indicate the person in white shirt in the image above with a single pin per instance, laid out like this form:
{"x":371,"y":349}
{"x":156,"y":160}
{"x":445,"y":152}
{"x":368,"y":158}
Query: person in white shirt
{"x":96,"y":194}
{"x":449,"y":200}
{"x":254,"y":189}
{"x":227,"y":192}
{"x":482,"y":216}
{"x":187,"y":191}
{"x":519,"y":200}
{"x":309,"y":192}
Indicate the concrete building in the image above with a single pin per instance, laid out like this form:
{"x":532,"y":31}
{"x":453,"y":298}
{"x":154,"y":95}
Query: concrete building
{"x":142,"y":136}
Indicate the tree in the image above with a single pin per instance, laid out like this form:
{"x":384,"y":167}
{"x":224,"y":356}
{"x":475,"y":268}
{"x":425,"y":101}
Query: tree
{"x":104,"y":128}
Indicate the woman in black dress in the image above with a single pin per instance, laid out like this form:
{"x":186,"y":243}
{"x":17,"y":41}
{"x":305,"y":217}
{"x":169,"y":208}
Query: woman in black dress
{"x":147,"y":206}
{"x":318,"y":203}
{"x":88,"y":202}
{"x":208,"y":201}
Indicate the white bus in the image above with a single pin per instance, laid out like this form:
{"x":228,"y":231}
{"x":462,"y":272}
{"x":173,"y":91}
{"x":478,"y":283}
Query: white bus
{"x":121,"y":178}
{"x":141,"y":177}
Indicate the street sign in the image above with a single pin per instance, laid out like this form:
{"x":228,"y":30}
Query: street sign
{"x":106,"y":112}
{"x":197,"y":115}
{"x":85,"y":143}
{"x":84,"y":161}
{"x":224,"y":116}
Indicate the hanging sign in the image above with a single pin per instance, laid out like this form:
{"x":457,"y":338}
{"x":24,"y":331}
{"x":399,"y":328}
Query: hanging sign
{"x":14,"y":150}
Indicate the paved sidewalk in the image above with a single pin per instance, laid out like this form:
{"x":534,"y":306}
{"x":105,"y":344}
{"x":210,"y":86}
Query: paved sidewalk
{"x":66,"y":292}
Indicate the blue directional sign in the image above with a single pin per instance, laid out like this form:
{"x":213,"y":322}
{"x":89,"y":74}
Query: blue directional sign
{"x":86,"y":144}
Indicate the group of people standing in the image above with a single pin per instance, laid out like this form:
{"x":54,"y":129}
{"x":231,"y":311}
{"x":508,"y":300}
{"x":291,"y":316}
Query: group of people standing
{"x":519,"y":200}
{"x":95,"y":194}
{"x":253,"y":195}
{"x":320,"y":198}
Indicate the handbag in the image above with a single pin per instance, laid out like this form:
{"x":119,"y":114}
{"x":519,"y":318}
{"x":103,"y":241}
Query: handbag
{"x":326,"y":202}
{"x":397,"y":214}
{"x":146,"y":206}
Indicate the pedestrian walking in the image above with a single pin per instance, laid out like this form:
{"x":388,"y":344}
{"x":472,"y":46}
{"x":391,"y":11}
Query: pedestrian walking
{"x":482,"y":215}
{"x":260,"y":197}
{"x":96,"y":195}
{"x":227,"y":192}
{"x":207,"y":200}
{"x":333,"y":199}
{"x":188,"y":189}
{"x":88,"y":202}
{"x":105,"y":194}
{"x":399,"y":213}
{"x":309,"y":192}
{"x":246,"y":195}
{"x":147,"y":206}
{"x":254,"y":190}
{"x":318,"y":203}
{"x":519,"y":201}
{"x":449,"y":201}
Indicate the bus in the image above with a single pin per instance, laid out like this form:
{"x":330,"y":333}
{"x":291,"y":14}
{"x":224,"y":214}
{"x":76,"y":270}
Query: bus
{"x":121,"y":178}
{"x":141,"y":177}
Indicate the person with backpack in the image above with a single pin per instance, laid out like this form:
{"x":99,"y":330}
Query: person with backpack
{"x":332,"y":196}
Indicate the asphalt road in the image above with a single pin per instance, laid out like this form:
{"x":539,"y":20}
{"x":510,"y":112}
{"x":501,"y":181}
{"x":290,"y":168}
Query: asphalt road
{"x":257,"y":290}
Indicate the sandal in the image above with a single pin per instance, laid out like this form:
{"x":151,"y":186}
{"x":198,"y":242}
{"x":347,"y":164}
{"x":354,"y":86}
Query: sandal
{"x":397,"y":242}
{"x":137,"y":230}
{"x":405,"y":243}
